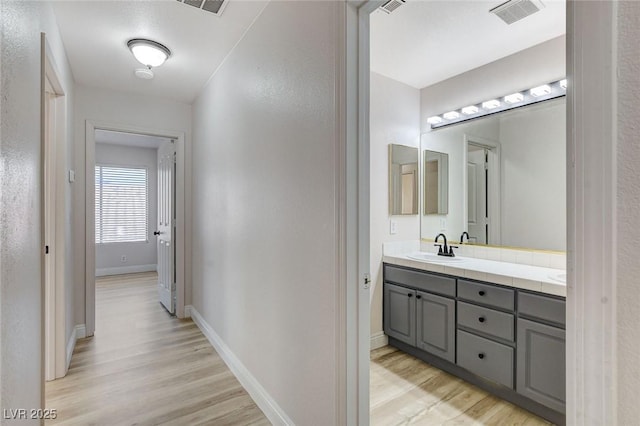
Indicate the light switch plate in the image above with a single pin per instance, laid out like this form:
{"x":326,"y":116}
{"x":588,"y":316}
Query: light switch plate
{"x":393,"y":227}
{"x":72,"y":176}
{"x":443,"y":224}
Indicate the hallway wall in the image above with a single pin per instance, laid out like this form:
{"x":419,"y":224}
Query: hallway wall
{"x":20,"y":207}
{"x":265,"y":254}
{"x":107,"y":106}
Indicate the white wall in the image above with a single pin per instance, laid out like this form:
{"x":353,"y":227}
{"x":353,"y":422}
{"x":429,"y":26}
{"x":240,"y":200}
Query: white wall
{"x":534,"y":170}
{"x":395,"y":118}
{"x":628,"y":234}
{"x":115,"y":108}
{"x":265,"y":254}
{"x":539,"y":64}
{"x":20,"y":208}
{"x":138,"y":254}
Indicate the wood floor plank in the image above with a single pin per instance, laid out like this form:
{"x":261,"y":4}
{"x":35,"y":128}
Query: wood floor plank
{"x":145,"y":367}
{"x":408,"y":391}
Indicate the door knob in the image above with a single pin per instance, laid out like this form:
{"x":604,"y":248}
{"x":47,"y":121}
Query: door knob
{"x":157,"y":232}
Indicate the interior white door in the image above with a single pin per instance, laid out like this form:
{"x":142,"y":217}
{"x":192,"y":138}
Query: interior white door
{"x":477,"y":195}
{"x":166,"y":225}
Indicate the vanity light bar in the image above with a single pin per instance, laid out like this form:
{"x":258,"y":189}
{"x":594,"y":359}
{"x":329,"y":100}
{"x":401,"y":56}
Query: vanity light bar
{"x":534,"y":95}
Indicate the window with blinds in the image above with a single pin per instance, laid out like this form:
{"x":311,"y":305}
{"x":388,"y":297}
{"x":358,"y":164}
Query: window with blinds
{"x":121,"y":204}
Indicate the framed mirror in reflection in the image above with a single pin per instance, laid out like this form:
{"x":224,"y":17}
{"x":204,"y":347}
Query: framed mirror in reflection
{"x":403,"y":180}
{"x":436,"y":182}
{"x":507,"y":178}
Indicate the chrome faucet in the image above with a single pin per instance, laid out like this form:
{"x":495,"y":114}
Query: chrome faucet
{"x":462,"y":237}
{"x":447,"y":250}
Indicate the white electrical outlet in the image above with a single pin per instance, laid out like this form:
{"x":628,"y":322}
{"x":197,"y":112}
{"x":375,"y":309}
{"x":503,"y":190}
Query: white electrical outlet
{"x":393,"y":227}
{"x":443,"y":224}
{"x":123,"y":259}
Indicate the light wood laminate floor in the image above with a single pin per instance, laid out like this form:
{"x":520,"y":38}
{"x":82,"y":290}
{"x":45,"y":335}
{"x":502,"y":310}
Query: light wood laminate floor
{"x":405,"y":390}
{"x":146,"y":367}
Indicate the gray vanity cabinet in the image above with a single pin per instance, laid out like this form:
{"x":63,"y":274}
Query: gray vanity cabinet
{"x":400,"y":313}
{"x":435,"y":328}
{"x":541,"y":350}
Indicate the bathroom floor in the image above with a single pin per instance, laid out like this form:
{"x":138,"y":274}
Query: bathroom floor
{"x":405,"y":390}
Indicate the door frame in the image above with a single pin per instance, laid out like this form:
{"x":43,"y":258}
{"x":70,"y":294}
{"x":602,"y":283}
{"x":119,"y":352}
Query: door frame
{"x":592,"y":104}
{"x":90,"y":262}
{"x":495,"y":175}
{"x":55,"y":360}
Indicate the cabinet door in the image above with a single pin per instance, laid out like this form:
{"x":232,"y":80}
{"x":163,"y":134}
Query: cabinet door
{"x":435,"y":328}
{"x":541,"y":363}
{"x":400,"y":313}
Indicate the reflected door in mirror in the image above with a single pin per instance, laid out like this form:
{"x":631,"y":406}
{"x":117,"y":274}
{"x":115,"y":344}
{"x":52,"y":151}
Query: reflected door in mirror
{"x":403,"y":180}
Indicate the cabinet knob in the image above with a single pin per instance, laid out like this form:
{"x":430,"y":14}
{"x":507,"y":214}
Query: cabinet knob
{"x":481,"y":292}
{"x":418,"y":296}
{"x":481,"y":355}
{"x":481,"y":319}
{"x":409,"y":294}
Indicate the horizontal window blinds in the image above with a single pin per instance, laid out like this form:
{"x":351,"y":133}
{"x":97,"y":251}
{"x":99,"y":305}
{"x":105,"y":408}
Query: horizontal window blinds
{"x":121,"y":204}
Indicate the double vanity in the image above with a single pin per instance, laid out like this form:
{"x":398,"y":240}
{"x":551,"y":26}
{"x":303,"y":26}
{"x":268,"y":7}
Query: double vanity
{"x":498,"y":325}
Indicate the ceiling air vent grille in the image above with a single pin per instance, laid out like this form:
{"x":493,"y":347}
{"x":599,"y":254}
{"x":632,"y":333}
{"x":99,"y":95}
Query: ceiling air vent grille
{"x":214,"y":6}
{"x":515,"y":10}
{"x":391,"y":5}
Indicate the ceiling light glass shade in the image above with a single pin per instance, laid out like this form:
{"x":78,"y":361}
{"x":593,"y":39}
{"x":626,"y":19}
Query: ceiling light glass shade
{"x":514,"y":98}
{"x":563,"y":84}
{"x":451,"y":115}
{"x":148,"y":52}
{"x":545,"y":89}
{"x":471,"y":109}
{"x":493,"y":103}
{"x":434,"y":120}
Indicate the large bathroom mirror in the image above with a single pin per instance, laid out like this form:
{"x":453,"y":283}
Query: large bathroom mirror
{"x":507,"y":178}
{"x":436,"y":182}
{"x":403,"y":180}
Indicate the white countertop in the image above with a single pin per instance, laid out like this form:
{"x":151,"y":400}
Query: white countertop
{"x":535,"y":278}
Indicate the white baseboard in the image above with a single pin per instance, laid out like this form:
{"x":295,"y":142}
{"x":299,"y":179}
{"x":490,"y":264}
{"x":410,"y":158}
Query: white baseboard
{"x":378,"y":340}
{"x":101,"y":272}
{"x":267,"y":404}
{"x":78,"y":332}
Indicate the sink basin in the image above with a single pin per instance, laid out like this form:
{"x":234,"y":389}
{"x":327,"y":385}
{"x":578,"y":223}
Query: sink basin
{"x":433,"y":258}
{"x":562,"y":278}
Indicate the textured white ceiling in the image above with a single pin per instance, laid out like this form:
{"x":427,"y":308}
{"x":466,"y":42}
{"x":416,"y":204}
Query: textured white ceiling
{"x":424,"y":42}
{"x":95,"y":34}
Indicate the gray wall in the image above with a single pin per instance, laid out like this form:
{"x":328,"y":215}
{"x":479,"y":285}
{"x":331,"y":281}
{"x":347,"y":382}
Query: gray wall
{"x":138,"y":254}
{"x":265,"y":201}
{"x":395,"y":118}
{"x":20,"y":207}
{"x":628,"y":235}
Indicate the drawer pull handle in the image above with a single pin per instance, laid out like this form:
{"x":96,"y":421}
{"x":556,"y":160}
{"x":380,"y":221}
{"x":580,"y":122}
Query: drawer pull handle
{"x":481,"y":355}
{"x":409,"y":294}
{"x":481,"y":292}
{"x":418,"y":296}
{"x":481,"y":319}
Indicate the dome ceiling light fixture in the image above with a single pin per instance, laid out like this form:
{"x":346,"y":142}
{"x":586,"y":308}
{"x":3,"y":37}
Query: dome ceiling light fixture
{"x":149,"y":53}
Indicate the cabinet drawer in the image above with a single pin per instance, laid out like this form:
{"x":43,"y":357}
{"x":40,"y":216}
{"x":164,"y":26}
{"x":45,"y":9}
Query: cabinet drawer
{"x":542,"y":308}
{"x":485,"y":358}
{"x":486,"y":294}
{"x":421,"y":280}
{"x":485,"y":320}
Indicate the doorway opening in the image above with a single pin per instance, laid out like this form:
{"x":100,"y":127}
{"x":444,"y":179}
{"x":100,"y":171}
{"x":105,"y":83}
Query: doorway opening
{"x":135,"y":212}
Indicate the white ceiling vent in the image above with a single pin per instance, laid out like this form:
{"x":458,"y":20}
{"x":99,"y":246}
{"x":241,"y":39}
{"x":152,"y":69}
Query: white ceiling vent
{"x":515,"y":10}
{"x":214,"y":6}
{"x":391,"y":5}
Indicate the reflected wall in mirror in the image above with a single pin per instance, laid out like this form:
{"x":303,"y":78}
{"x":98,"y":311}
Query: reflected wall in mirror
{"x":507,"y":178}
{"x":403,"y":180}
{"x":436,"y":182}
